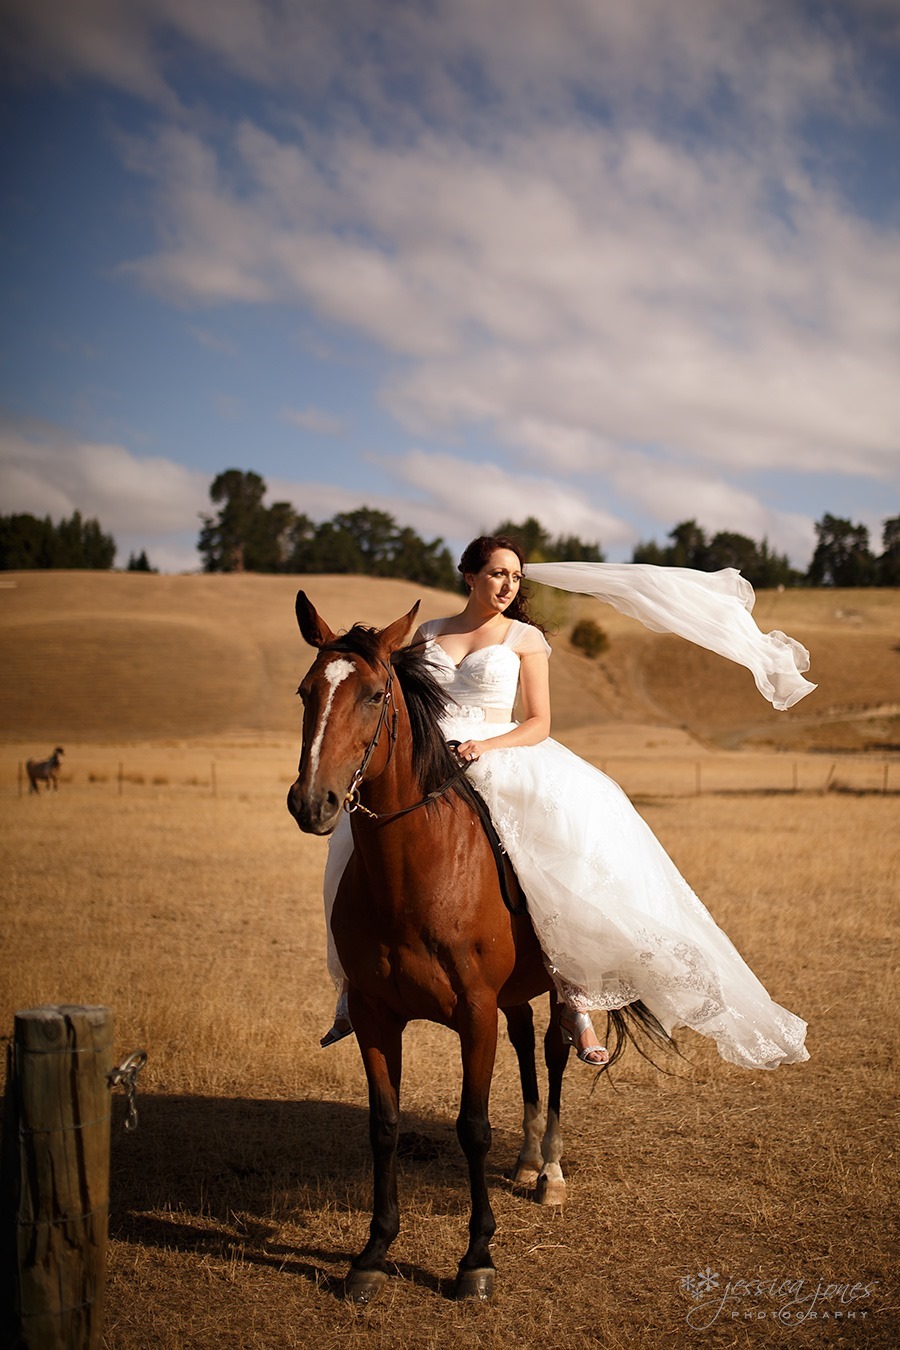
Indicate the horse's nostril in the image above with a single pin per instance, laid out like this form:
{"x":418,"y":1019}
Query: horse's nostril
{"x":331,"y":798}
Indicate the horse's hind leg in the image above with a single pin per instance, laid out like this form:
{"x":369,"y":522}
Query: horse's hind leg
{"x":520,"y":1025}
{"x":551,"y":1184}
{"x":380,"y":1040}
{"x":478,"y":1037}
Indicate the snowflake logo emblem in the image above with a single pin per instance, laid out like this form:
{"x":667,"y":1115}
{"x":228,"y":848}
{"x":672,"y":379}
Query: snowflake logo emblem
{"x":704,"y":1282}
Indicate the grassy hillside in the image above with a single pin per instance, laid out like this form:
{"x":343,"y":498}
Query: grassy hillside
{"x":119,"y":656}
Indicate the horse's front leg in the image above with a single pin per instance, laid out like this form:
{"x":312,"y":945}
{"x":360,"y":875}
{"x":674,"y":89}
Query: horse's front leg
{"x":380,"y":1039}
{"x":520,"y":1025}
{"x":477,"y":1028}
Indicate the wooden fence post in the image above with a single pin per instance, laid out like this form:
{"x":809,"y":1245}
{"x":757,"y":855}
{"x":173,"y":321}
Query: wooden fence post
{"x":54,"y":1193}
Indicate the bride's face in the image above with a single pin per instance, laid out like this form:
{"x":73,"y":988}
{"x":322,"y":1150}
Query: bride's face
{"x":497,"y":584}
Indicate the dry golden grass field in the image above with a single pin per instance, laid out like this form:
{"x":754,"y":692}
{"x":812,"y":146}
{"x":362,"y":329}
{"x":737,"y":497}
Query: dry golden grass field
{"x":166,"y":880}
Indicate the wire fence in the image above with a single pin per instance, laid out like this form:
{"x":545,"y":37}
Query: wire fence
{"x":639,"y":775}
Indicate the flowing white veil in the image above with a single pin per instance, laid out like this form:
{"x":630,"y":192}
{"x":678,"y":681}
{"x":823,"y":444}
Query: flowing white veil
{"x":711,"y":609}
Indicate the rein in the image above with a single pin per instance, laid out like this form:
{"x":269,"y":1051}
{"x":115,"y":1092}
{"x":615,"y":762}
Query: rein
{"x":352,"y":802}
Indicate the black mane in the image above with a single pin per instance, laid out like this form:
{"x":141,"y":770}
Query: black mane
{"x":426,"y":702}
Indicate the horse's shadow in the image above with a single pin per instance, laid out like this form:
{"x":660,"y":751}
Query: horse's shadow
{"x":221,"y":1176}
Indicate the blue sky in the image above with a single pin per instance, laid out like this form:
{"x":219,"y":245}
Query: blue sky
{"x":611,"y":265}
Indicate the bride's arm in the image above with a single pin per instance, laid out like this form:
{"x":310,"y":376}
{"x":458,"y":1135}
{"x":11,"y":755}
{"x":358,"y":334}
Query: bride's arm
{"x":534,"y":691}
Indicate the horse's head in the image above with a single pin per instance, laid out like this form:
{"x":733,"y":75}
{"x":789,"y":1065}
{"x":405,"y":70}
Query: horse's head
{"x":347,"y":698}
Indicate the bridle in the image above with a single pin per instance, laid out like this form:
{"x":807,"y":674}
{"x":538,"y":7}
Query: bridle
{"x":352,"y":803}
{"x":352,"y":800}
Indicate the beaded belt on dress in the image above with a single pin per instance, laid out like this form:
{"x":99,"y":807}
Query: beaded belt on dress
{"x":477,"y":714}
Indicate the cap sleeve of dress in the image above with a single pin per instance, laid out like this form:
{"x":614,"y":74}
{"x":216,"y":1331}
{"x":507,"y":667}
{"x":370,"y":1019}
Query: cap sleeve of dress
{"x":524,"y":638}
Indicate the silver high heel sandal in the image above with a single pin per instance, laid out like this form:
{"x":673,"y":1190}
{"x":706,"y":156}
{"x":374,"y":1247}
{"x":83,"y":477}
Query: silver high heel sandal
{"x":341,"y":1027}
{"x":573,"y":1025}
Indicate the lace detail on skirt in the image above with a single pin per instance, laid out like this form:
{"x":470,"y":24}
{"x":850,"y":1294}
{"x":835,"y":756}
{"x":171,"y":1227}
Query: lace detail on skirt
{"x":616,"y":921}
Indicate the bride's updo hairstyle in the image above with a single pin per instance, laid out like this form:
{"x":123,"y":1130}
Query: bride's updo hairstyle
{"x":477,"y":556}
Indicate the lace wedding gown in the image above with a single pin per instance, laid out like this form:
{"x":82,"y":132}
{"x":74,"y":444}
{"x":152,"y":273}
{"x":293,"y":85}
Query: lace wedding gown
{"x":614,"y":917}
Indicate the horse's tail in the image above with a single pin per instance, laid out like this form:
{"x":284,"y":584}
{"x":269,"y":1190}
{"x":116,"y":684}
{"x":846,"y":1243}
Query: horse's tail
{"x":636,"y":1025}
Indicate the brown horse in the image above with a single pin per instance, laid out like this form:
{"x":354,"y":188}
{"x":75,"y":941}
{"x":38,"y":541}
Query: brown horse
{"x":44,"y":771}
{"x":420,"y":922}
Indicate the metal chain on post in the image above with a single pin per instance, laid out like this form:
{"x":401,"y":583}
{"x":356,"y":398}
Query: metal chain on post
{"x":125,"y":1075}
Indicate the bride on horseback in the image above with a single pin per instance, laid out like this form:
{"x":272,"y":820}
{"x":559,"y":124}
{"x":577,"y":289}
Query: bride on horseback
{"x":615,"y":920}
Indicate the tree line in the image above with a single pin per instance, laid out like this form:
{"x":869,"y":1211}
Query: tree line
{"x":842,"y":555}
{"x":246,"y":535}
{"x":27,"y":542}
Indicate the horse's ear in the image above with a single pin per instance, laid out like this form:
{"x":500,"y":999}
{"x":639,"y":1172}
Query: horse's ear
{"x":398,"y":633}
{"x":314,"y":629}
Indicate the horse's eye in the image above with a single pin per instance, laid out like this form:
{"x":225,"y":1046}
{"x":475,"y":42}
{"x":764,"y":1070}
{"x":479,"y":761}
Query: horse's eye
{"x":301,"y":693}
{"x":377,"y":698}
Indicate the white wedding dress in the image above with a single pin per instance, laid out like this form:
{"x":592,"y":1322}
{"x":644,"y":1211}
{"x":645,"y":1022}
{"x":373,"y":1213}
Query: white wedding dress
{"x":614,"y":917}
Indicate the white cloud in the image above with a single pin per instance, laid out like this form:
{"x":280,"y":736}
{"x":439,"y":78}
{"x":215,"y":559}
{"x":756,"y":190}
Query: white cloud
{"x":610,"y":245}
{"x":95,"y":39}
{"x":45,"y":470}
{"x":618,"y":286}
{"x":528,"y":56}
{"x":463,"y":498}
{"x":316,"y":420}
{"x":673,"y":492}
{"x":213,"y":341}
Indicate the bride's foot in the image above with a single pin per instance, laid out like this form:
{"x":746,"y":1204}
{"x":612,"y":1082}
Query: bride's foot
{"x":576,"y":1029}
{"x":341,"y":1027}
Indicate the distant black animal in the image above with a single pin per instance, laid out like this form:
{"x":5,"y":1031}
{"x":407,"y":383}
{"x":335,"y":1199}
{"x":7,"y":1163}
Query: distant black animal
{"x":44,"y":771}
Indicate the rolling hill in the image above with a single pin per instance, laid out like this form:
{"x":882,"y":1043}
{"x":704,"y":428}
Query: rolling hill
{"x":110,"y":656}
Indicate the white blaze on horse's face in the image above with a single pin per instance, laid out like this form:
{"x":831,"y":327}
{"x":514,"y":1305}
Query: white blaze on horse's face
{"x":335,"y":673}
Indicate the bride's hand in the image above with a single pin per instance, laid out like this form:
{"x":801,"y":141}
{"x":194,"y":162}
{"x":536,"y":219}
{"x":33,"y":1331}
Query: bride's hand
{"x":470,"y":750}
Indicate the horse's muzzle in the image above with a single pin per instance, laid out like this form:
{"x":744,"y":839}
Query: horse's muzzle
{"x":316,"y":812}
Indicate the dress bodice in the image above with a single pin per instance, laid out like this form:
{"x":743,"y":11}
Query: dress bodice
{"x":488,"y":677}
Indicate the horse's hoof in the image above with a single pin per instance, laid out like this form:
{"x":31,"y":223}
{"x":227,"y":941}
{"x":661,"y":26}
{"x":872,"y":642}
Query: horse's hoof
{"x":550,"y":1191}
{"x":475,"y":1284}
{"x":525,"y":1177}
{"x":362,"y":1286}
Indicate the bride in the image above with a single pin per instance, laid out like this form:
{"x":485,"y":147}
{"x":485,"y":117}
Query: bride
{"x":615,"y":919}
